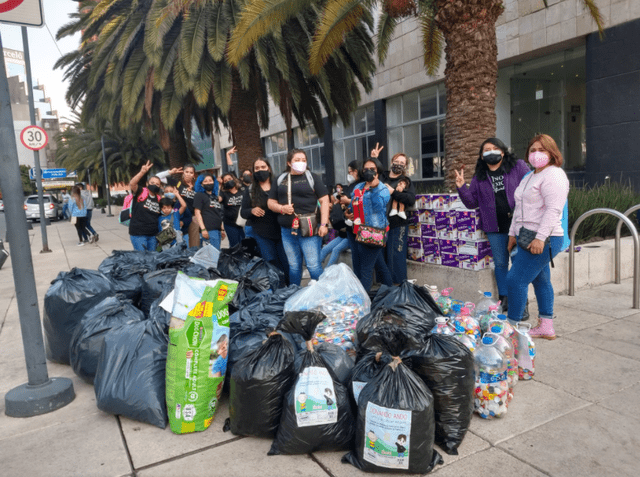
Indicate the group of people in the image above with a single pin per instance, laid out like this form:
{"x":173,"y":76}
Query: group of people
{"x":289,"y":213}
{"x":77,"y":207}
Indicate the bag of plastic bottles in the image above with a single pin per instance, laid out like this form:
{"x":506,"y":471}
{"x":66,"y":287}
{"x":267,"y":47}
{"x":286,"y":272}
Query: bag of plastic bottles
{"x":86,"y":343}
{"x":525,"y":352}
{"x":317,"y":414}
{"x":395,"y":426}
{"x":447,"y":368}
{"x":130,"y":378}
{"x":258,"y":384}
{"x":66,"y":302}
{"x":407,"y":293}
{"x":491,"y":380}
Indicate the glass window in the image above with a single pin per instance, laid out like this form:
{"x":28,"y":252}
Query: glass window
{"x":360,"y":121}
{"x":313,"y":145}
{"x":394,"y":111}
{"x":410,"y":104}
{"x":428,"y":103}
{"x":276,"y":152}
{"x":354,"y":141}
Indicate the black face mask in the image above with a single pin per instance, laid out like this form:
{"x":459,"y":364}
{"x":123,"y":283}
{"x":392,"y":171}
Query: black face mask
{"x":207,"y":187}
{"x":492,"y":159}
{"x":154,"y":189}
{"x":229,"y":184}
{"x":261,"y":176}
{"x":368,"y":175}
{"x":397,"y":168}
{"x":246,"y":179}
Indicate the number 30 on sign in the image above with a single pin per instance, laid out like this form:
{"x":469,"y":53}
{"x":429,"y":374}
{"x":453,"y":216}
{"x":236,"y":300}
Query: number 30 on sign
{"x":34,"y":138}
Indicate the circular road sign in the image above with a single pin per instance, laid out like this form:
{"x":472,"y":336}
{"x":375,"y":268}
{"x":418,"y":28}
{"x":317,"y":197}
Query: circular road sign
{"x":6,"y":5}
{"x":34,"y":138}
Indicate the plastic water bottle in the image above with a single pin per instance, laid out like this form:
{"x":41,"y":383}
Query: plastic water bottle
{"x":504,"y":345}
{"x":485,"y":303}
{"x":442,"y":327}
{"x":463,"y":322}
{"x":485,"y":318}
{"x":468,"y":340}
{"x":491,"y":379}
{"x":433,"y":290}
{"x":444,"y":301}
{"x":525,"y":352}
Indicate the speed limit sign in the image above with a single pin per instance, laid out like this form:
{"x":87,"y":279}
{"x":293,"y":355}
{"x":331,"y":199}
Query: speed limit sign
{"x":34,"y":138}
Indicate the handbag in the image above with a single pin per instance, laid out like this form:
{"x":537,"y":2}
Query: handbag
{"x":367,"y":235}
{"x":74,"y":220}
{"x":307,"y":224}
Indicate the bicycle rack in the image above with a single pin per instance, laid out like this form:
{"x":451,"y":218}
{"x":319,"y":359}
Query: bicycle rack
{"x":636,"y":250}
{"x":618,"y":230}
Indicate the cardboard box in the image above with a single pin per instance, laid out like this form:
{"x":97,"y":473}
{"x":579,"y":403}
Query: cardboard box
{"x":435,"y":259}
{"x":423,"y":201}
{"x":415,"y":230}
{"x":443,"y":220}
{"x":430,"y":246}
{"x":473,"y":262}
{"x":468,"y":235}
{"x":414,"y":217}
{"x":448,"y":246}
{"x":468,"y":220}
{"x":447,"y":234}
{"x":440,"y":201}
{"x":455,"y":203}
{"x":427,"y":230}
{"x":449,"y":260}
{"x":427,"y":216}
{"x":414,"y":251}
{"x":474,"y":247}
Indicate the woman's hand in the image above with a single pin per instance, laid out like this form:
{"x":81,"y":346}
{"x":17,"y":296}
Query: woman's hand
{"x":375,"y":152}
{"x":175,"y":171}
{"x":205,"y":234}
{"x":460,"y":178}
{"x":323,"y":230}
{"x":348,"y":215}
{"x":536,"y":247}
{"x":400,"y":187}
{"x":146,"y":167}
{"x":257,"y":212}
{"x":512,"y":243}
{"x":287,"y":209}
{"x":222,"y":235}
{"x":344,"y":200}
{"x":229,"y":152}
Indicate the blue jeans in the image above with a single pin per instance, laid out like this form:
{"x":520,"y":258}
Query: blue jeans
{"x":396,"y":253}
{"x":273,"y":251}
{"x":295,"y":247}
{"x":499,"y":244}
{"x":355,"y":260}
{"x":144,"y":242}
{"x":529,"y":268}
{"x":248,"y":232}
{"x":65,"y":211}
{"x":335,"y":248}
{"x":369,"y":258}
{"x":235,"y":234}
{"x":89,"y":228}
{"x":214,"y":239}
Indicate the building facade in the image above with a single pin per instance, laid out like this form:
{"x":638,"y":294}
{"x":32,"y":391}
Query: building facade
{"x":556,"y":76}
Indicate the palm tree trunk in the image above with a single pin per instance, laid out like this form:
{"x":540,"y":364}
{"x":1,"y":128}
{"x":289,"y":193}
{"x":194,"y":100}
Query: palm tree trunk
{"x":178,"y":156}
{"x":471,"y":76}
{"x":243,"y":119}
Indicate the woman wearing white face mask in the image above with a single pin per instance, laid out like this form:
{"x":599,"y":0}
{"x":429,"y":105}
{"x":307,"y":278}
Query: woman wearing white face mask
{"x":537,"y":230}
{"x":295,"y":198}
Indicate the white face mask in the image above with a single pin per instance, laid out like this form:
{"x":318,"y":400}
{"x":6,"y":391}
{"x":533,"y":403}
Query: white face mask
{"x":299,"y":167}
{"x":350,"y":179}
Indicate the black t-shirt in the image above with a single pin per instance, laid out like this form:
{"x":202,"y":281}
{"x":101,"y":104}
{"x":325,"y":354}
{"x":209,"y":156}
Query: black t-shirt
{"x":266,"y":226}
{"x":210,"y":209}
{"x":144,"y":216}
{"x":303,"y":197}
{"x":188,"y":195}
{"x":231,"y":204}
{"x":406,"y":197}
{"x":503,"y":211}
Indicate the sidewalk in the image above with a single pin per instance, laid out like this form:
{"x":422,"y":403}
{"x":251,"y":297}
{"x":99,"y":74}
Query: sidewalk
{"x":577,"y":417}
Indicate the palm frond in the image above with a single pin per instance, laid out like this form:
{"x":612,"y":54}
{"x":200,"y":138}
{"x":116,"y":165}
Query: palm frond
{"x":386,"y":27}
{"x":432,"y":42}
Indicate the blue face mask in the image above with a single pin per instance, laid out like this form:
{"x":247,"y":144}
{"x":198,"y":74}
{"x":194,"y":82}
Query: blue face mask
{"x":170,"y":195}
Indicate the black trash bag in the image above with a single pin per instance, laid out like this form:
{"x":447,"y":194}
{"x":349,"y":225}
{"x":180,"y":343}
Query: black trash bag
{"x":161,"y":316}
{"x":130,"y":380}
{"x":154,"y":284}
{"x":66,"y":302}
{"x":447,"y":368}
{"x":395,"y":424}
{"x":266,"y":274}
{"x":127,"y":284}
{"x":86,"y":343}
{"x":245,"y":293}
{"x":185,"y":265}
{"x":316,"y":414}
{"x":408,"y":317}
{"x":408,"y":293}
{"x":364,"y":371}
{"x":336,"y":359}
{"x":129,"y":262}
{"x":178,"y":252}
{"x":258,"y":384}
{"x":233,"y":261}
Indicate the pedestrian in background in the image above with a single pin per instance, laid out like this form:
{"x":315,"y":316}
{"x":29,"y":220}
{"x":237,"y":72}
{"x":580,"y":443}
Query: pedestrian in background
{"x":65,"y":204}
{"x":87,"y":196}
{"x":78,"y":211}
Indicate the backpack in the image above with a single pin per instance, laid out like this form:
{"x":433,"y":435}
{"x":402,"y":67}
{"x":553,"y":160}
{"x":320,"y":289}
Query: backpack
{"x":127,"y":207}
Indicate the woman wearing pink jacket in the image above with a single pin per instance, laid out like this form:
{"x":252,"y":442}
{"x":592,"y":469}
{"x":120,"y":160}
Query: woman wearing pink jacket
{"x":537,"y":231}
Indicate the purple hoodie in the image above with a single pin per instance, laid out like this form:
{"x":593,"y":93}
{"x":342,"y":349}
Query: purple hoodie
{"x":480,"y":194}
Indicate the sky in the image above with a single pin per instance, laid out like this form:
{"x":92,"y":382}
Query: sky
{"x":44,"y":52}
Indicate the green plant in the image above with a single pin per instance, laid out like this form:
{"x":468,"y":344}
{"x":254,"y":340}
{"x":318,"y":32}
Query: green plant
{"x":117,"y":200}
{"x":611,"y":195}
{"x":432,"y":188}
{"x":100,"y":203}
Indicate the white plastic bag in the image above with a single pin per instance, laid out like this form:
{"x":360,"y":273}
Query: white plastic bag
{"x":207,"y":256}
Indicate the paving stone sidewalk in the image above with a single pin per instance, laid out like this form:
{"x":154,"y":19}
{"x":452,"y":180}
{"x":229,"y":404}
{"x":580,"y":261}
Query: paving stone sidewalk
{"x":577,"y":417}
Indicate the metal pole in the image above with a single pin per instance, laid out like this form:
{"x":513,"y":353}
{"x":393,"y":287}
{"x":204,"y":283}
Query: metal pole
{"x":636,"y":251}
{"x":41,"y":394}
{"x":36,"y":154}
{"x":618,"y":273}
{"x":106,"y":180}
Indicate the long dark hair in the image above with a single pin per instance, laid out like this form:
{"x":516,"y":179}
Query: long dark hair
{"x":255,"y":185}
{"x":508,"y":161}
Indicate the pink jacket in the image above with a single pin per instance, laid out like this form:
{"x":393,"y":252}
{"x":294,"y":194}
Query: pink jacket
{"x":540,"y":199}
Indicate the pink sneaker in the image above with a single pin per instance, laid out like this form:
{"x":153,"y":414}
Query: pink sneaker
{"x":544,"y":329}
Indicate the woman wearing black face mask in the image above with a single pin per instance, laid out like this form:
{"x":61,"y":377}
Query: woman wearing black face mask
{"x":208,"y":213}
{"x":231,"y":199}
{"x":262,"y":223}
{"x":498,"y":173}
{"x":145,"y":210}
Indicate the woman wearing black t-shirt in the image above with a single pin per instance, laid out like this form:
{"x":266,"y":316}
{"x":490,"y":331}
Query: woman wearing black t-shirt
{"x":145,"y":210}
{"x":231,"y":198}
{"x":208,"y":213}
{"x":307,"y":190}
{"x":262,"y":221}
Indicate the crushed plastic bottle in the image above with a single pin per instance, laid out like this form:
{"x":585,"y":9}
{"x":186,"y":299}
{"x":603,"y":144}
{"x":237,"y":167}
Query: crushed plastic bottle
{"x":442,"y":327}
{"x":444,"y":301}
{"x":525,"y":352}
{"x":491,"y":379}
{"x":504,"y":345}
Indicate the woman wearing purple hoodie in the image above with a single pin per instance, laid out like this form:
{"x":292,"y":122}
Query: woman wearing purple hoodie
{"x":498,"y":174}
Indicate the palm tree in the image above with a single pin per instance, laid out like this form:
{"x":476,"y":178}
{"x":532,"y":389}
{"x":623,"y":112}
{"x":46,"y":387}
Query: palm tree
{"x":163,"y":63}
{"x":466,"y":29}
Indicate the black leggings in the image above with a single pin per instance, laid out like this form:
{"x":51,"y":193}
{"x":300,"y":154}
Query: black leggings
{"x":81,"y":228}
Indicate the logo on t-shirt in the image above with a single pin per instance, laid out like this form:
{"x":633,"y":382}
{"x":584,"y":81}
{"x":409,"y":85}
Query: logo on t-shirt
{"x":232,"y":201}
{"x":213,"y":202}
{"x":152,"y":205}
{"x":497,"y":182}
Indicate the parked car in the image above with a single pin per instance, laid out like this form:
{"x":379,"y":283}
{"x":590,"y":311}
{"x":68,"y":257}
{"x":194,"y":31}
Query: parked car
{"x":52,"y":207}
{"x":1,"y":206}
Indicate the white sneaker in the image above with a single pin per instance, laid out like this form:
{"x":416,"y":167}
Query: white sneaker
{"x":393,"y":212}
{"x":349,"y":222}
{"x":92,"y":238}
{"x":402,"y":215}
{"x":80,"y":244}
